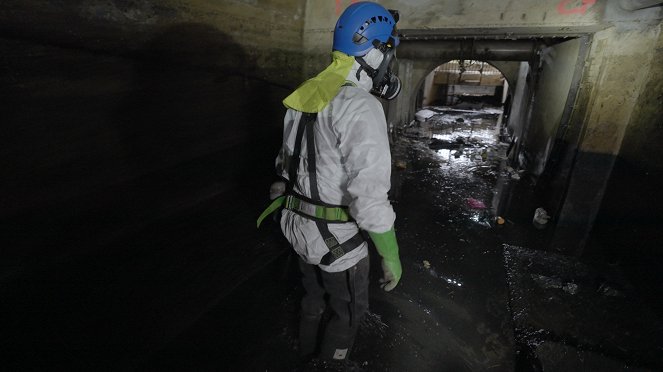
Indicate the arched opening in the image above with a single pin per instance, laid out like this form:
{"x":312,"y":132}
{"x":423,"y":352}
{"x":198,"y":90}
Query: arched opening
{"x":503,"y":103}
{"x":464,"y":84}
{"x":462,"y":103}
{"x":459,"y":116}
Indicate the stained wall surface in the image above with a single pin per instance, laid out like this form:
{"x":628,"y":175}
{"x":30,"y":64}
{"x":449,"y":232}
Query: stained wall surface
{"x":630,"y":217}
{"x":112,"y":54}
{"x":502,"y":18}
{"x":620,"y":62}
{"x":138,"y":145}
{"x":556,"y":71}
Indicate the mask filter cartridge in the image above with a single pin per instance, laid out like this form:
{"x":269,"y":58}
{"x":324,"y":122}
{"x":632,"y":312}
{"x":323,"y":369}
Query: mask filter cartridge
{"x":391,"y":88}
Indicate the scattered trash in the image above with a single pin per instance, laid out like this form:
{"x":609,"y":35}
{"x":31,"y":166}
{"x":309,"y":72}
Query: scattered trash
{"x":570,"y":288}
{"x":547,"y":282}
{"x":426,"y":264}
{"x":485,"y":224}
{"x":541,"y":218}
{"x":484,"y":154}
{"x":500,"y":220}
{"x":459,"y":152}
{"x":423,"y":115}
{"x":557,"y":283}
{"x":476,"y":204}
{"x":514,"y":174}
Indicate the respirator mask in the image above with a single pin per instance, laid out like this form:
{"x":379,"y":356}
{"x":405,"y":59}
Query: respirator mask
{"x":385,"y":83}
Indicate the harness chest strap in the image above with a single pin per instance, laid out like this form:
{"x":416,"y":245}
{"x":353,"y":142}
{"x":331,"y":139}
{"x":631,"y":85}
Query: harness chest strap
{"x":331,"y":214}
{"x":293,"y":203}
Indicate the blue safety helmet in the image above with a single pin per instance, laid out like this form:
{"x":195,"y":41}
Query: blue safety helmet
{"x":361,"y":24}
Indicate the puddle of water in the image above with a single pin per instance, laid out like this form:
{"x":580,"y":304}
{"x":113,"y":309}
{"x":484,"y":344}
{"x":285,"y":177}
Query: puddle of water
{"x":459,"y":153}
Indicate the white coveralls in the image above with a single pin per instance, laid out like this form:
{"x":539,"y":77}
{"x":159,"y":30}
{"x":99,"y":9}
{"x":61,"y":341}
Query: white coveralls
{"x":353,"y":166}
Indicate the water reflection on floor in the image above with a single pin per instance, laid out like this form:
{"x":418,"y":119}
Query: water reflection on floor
{"x":469,"y":299}
{"x":450,"y":310}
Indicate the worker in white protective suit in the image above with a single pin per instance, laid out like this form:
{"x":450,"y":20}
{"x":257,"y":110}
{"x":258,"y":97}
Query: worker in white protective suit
{"x":335,"y":165}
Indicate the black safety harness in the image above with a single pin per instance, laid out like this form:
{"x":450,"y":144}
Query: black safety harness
{"x":336,"y":249}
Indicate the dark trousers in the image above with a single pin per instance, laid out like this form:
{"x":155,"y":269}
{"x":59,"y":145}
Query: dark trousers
{"x":348,"y":300}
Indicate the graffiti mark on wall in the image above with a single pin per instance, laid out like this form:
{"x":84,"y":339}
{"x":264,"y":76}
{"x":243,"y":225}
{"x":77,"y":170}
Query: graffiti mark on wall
{"x":340,"y":7}
{"x":567,"y":6}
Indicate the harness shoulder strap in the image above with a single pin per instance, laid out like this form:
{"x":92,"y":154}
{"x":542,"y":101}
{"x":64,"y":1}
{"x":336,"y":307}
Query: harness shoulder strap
{"x":336,"y":249}
{"x":294,"y":161}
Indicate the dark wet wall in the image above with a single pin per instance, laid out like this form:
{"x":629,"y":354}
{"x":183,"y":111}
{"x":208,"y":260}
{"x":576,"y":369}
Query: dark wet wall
{"x":551,"y":98}
{"x":521,"y":101}
{"x":629,"y":226}
{"x":81,"y":81}
{"x":138,"y":143}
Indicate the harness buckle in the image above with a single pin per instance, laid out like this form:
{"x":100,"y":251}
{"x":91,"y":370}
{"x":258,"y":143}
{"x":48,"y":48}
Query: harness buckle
{"x":331,"y":242}
{"x":337,"y":252}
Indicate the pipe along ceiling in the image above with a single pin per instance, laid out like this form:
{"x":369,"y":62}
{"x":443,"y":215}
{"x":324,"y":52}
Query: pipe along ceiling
{"x":487,"y":50}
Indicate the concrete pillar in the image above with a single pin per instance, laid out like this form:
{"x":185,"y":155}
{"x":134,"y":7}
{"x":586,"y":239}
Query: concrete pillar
{"x":616,"y":72}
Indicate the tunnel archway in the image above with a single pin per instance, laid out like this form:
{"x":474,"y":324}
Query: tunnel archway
{"x":417,"y":57}
{"x":451,"y":80}
{"x":543,"y":75}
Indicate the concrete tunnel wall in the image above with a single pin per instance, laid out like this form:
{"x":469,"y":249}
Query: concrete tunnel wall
{"x":620,"y":58}
{"x":615,"y":75}
{"x":137,"y":136}
{"x":556,"y":73}
{"x":242,"y":57}
{"x":629,"y":220}
{"x":519,"y":116}
{"x":495,"y":18}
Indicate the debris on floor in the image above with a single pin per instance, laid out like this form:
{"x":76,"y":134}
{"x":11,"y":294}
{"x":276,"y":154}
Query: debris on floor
{"x":559,"y":303}
{"x":475,"y":204}
{"x":541,"y":218}
{"x":467,"y":300}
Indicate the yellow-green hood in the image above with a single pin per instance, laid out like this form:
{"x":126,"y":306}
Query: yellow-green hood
{"x":314,"y":94}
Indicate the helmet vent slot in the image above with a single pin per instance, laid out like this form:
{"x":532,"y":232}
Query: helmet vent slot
{"x":359,"y":39}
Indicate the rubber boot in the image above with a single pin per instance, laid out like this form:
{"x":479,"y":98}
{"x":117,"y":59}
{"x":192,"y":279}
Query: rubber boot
{"x":308,"y":334}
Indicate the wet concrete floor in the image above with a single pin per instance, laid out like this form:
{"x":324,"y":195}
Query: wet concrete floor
{"x":475,"y":295}
{"x":450,"y":311}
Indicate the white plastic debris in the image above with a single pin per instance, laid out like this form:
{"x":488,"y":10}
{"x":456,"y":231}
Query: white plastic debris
{"x":541,"y":218}
{"x":425,"y":114}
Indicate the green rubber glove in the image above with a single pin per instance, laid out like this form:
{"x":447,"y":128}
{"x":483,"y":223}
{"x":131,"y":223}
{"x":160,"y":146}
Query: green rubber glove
{"x":387,"y":247}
